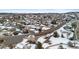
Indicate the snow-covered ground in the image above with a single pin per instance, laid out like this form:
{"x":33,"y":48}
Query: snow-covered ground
{"x":51,"y":42}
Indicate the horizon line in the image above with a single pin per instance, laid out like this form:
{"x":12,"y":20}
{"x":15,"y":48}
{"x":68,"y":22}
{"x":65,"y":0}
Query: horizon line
{"x":38,"y":10}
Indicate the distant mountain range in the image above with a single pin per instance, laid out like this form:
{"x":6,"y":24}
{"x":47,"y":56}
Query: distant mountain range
{"x":38,"y":10}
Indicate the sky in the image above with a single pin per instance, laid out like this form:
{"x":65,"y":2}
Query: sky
{"x":38,"y":10}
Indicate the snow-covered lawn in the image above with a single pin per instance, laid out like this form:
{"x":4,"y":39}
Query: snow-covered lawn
{"x":58,"y":40}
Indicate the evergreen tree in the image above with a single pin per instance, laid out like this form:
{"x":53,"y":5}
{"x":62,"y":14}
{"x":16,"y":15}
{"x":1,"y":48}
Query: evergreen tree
{"x":62,"y":36}
{"x":56,"y":34}
{"x":53,"y":22}
{"x":39,"y":46}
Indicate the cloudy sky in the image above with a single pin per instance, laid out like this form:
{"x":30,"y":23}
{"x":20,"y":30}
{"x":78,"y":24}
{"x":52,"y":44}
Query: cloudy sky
{"x":37,"y":10}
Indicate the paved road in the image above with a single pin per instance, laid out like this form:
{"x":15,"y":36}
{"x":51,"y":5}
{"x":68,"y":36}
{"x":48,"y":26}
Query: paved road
{"x":50,"y":30}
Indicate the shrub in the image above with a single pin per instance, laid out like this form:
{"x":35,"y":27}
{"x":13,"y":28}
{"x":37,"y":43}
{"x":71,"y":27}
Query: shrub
{"x":61,"y":47}
{"x":15,"y":33}
{"x":70,"y":44}
{"x":1,"y":41}
{"x":62,"y":36}
{"x":56,"y":34}
{"x":72,"y":38}
{"x":53,"y":22}
{"x":39,"y":30}
{"x":74,"y":25}
{"x":39,"y":46}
